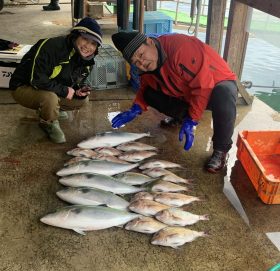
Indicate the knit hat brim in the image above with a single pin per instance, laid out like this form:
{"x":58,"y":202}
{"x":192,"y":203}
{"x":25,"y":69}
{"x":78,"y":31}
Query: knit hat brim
{"x":90,"y":34}
{"x":91,"y":37}
{"x":128,"y":42}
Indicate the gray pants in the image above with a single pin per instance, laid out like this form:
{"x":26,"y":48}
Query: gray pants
{"x":47,"y":102}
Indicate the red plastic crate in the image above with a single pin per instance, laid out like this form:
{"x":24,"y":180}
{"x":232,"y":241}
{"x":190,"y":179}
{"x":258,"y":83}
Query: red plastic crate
{"x":259,"y":154}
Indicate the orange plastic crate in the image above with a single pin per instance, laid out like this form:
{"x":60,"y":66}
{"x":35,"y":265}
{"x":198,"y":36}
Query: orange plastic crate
{"x":259,"y":154}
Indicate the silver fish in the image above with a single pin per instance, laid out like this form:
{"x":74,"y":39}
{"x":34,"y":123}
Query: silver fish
{"x":164,"y":186}
{"x":80,"y":218}
{"x":146,"y":207}
{"x":92,"y":196}
{"x":145,"y":225}
{"x":75,"y":160}
{"x":99,"y":181}
{"x":108,"y":151}
{"x":178,"y":217}
{"x":175,"y":199}
{"x":175,"y":236}
{"x":136,"y":156}
{"x":110,"y":139}
{"x":133,"y":178}
{"x":136,"y":146}
{"x":159,"y":164}
{"x":79,"y":152}
{"x":96,"y":167}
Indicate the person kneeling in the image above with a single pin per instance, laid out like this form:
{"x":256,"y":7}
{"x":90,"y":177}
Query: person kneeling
{"x":52,"y":74}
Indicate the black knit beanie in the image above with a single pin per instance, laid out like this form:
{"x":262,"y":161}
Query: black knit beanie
{"x":90,"y":29}
{"x":128,"y":42}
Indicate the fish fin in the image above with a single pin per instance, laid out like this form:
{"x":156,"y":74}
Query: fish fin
{"x":79,"y":231}
{"x":120,"y":226}
{"x":175,"y":247}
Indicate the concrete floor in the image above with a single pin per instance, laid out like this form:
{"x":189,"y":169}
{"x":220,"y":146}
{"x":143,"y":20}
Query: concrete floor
{"x":29,"y":161}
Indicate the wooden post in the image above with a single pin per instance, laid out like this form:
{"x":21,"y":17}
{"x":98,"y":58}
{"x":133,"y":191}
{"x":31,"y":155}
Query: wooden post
{"x":151,"y":5}
{"x":236,"y":42}
{"x":237,"y":37}
{"x":177,"y":8}
{"x":215,"y":24}
{"x":141,"y":16}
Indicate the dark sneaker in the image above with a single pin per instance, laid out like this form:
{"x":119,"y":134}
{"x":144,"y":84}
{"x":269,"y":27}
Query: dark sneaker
{"x":53,"y":131}
{"x":216,"y":162}
{"x":51,"y":7}
{"x":169,"y":122}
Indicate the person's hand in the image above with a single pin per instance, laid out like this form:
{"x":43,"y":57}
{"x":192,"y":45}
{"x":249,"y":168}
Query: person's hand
{"x":70,"y":94}
{"x":84,"y":91}
{"x":187,"y":130}
{"x":126,"y":116}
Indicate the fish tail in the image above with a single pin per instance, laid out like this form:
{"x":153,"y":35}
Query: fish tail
{"x":201,"y":198}
{"x":204,"y":217}
{"x":205,"y":233}
{"x":189,"y":181}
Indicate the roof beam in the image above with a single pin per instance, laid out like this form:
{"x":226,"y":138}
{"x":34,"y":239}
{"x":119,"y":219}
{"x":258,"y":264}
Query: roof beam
{"x":271,"y":7}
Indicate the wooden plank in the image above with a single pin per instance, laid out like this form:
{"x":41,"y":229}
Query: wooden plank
{"x":215,"y":24}
{"x":271,"y":7}
{"x":243,"y":92}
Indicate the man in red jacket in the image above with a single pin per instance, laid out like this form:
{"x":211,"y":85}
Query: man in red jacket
{"x":181,"y":77}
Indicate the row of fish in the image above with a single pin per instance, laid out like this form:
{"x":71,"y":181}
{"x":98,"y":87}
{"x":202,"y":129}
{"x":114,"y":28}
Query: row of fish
{"x":99,"y":174}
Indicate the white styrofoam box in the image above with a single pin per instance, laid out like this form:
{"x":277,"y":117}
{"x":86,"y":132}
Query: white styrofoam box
{"x":14,"y":55}
{"x":5,"y":76}
{"x":8,"y":61}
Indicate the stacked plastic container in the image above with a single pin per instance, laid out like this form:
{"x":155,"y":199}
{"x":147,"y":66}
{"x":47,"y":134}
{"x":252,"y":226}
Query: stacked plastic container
{"x":109,"y":70}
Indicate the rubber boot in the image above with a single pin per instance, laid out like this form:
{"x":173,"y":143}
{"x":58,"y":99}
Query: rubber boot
{"x":53,"y":131}
{"x":53,"y":5}
{"x":63,"y":115}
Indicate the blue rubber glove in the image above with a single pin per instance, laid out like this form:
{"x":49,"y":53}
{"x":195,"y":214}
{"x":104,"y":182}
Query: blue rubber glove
{"x":126,"y":116}
{"x":187,"y":130}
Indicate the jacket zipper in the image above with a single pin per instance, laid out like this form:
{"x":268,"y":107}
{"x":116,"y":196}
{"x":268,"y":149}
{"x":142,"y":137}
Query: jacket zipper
{"x":185,"y":69}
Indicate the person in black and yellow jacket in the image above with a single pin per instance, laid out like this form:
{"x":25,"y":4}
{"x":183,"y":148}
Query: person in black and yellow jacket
{"x":51,"y":77}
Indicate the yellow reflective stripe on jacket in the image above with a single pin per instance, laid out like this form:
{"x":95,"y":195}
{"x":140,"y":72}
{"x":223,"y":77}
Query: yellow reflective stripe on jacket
{"x":31,"y":79}
{"x":57,"y":69}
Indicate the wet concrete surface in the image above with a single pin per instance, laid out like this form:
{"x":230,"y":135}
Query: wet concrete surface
{"x":29,"y":161}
